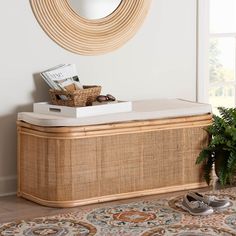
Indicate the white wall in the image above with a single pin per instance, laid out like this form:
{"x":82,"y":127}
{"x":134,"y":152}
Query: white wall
{"x":160,"y":61}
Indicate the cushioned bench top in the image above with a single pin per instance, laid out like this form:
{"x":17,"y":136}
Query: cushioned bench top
{"x":142,"y":110}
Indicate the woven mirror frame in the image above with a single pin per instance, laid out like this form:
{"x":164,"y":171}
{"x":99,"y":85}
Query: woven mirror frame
{"x":89,"y":37}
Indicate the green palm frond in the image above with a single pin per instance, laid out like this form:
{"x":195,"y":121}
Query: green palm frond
{"x":228,"y":115}
{"x":222,"y":134}
{"x":223,"y":170}
{"x":231,"y":161}
{"x":217,"y":126}
{"x":203,"y":155}
{"x":231,"y":165}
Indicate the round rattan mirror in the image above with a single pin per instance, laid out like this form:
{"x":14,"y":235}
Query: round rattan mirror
{"x":89,"y":37}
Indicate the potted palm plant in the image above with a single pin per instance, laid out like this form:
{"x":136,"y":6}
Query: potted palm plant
{"x":221,"y":150}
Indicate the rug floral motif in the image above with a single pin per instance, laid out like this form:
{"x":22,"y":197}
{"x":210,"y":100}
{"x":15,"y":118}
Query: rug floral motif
{"x":140,"y":218}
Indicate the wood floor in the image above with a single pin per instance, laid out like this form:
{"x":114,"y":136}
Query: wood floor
{"x":13,"y":208}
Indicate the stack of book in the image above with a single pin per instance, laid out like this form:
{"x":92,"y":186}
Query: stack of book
{"x":62,"y":77}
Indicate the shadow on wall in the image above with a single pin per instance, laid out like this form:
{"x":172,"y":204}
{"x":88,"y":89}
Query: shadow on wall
{"x":41,"y":89}
{"x":8,"y":150}
{"x":8,"y":141}
{"x":8,"y":127}
{"x":8,"y":136}
{"x":7,"y":145}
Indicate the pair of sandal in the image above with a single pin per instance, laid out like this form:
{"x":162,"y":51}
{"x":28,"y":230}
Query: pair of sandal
{"x":201,"y":205}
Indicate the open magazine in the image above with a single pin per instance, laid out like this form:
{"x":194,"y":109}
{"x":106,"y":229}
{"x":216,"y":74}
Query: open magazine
{"x":62,"y":77}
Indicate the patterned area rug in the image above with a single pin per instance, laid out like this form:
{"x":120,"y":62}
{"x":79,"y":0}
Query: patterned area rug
{"x":140,"y":218}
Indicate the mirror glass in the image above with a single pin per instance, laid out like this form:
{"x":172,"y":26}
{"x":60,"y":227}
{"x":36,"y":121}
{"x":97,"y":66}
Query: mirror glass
{"x":94,"y":9}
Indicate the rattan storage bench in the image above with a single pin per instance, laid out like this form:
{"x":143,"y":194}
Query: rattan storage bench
{"x":66,"y":162}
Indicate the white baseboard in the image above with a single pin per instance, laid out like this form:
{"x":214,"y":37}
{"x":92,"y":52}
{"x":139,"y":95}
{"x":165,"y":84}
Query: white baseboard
{"x":8,"y":185}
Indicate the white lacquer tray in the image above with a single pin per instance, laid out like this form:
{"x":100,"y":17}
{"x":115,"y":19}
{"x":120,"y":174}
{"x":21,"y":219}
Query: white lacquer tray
{"x":77,"y":112}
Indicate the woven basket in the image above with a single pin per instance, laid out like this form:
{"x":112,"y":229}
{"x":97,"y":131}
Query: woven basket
{"x":77,"y":98}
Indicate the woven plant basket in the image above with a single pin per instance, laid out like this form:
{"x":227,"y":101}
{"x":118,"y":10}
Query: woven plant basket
{"x":77,"y":98}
